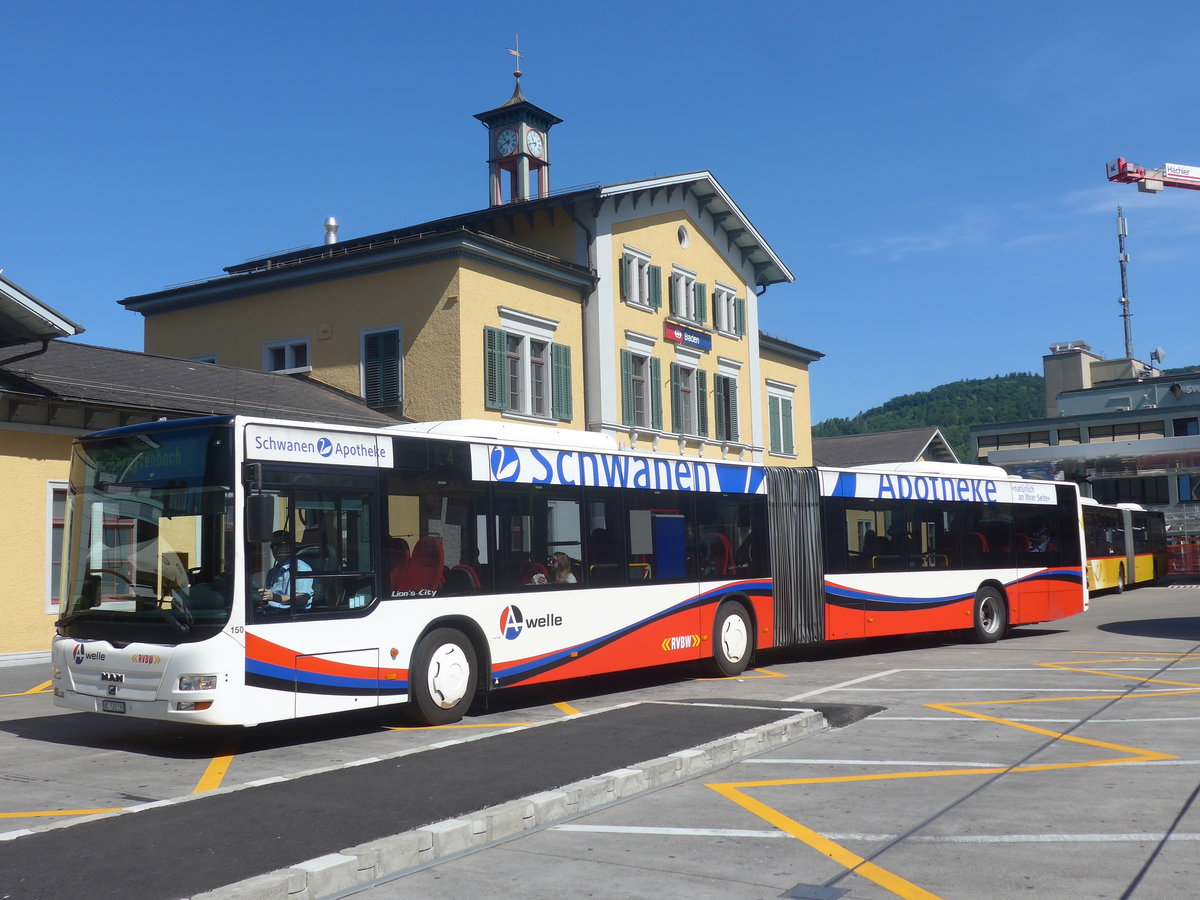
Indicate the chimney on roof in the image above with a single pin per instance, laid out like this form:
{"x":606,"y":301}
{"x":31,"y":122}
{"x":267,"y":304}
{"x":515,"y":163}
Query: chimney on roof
{"x":331,"y":228}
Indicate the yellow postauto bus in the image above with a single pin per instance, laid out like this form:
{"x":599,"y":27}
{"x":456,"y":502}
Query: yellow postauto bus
{"x":1126,"y":545}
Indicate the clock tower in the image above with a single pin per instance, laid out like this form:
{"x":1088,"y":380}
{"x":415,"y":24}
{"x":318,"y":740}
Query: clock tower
{"x":518,"y":149}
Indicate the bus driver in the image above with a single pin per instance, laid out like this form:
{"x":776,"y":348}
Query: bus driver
{"x":278,"y":591}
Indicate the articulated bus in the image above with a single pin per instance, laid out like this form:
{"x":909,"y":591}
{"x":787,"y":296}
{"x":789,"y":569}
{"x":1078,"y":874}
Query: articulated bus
{"x":233,"y":570}
{"x":1126,"y":545}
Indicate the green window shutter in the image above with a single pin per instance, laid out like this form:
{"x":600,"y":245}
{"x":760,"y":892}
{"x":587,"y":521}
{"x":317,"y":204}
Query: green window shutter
{"x":381,"y":368}
{"x":786,"y":414}
{"x":776,"y":425}
{"x":702,"y":403}
{"x":719,"y":388}
{"x":626,"y":388}
{"x":656,"y":406}
{"x":560,"y":364}
{"x":656,"y":286}
{"x":494,"y":347}
{"x":700,"y":292}
{"x":739,"y":315}
{"x":671,"y":298}
{"x":623,"y":276}
{"x":676,"y":399}
{"x":731,"y":386}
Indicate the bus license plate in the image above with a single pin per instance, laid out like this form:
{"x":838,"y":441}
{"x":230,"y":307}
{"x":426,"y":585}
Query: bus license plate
{"x":112,"y":705}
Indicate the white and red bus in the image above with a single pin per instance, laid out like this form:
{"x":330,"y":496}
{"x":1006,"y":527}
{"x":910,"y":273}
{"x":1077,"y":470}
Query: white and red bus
{"x":234,"y":570}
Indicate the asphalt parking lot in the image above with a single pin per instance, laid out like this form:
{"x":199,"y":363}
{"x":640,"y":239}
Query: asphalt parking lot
{"x":1060,"y":762}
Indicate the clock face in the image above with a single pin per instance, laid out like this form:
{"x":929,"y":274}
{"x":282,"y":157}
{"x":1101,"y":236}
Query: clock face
{"x":506,"y":142}
{"x":533,"y":143}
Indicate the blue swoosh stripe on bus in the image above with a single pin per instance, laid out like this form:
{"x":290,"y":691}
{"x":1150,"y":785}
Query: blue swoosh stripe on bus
{"x":552,"y":659}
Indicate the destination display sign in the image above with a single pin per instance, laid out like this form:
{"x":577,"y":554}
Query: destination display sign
{"x":307,"y":445}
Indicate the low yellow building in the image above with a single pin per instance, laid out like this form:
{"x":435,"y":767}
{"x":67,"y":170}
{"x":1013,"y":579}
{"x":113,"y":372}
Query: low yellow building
{"x":629,"y":309}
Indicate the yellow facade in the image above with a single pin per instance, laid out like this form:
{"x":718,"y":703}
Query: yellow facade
{"x":30,"y":462}
{"x":777,"y":370}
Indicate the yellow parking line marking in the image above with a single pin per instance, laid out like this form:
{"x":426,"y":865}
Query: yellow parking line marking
{"x":458,"y":725}
{"x":835,"y":851}
{"x":735,"y":791}
{"x":567,"y":709}
{"x":47,"y":813}
{"x":40,"y":689}
{"x":759,"y":673}
{"x":217,"y":767}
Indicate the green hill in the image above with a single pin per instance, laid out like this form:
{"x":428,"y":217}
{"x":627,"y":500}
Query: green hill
{"x":952,"y":407}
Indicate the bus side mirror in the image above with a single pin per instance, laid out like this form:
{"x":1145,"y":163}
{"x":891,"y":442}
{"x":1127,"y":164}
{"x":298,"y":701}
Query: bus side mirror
{"x":260,"y":518}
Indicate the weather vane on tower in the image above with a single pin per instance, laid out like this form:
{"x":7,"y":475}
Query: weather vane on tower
{"x":516,"y":51}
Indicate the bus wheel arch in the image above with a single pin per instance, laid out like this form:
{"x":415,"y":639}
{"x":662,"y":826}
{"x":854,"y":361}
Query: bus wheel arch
{"x":990,"y":612}
{"x":444,"y":672}
{"x":733,"y":637}
{"x":1120,"y":579}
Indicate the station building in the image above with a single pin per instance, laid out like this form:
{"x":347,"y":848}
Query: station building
{"x":1120,"y":428}
{"x":629,"y":309}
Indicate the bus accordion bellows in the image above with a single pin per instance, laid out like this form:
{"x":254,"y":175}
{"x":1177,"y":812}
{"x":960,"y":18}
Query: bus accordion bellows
{"x":1125,"y":544}
{"x":239,"y":570}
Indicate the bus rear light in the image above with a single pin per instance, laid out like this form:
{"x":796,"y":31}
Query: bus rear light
{"x":197,"y":682}
{"x":192,"y":705}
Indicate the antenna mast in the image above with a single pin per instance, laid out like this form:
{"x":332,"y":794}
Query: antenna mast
{"x":1123,"y":259}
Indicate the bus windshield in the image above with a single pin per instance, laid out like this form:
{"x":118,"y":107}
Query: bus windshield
{"x":149,"y":534}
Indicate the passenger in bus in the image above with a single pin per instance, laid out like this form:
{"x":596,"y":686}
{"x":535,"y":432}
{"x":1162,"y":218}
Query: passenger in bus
{"x":278,"y":593}
{"x":558,"y":567}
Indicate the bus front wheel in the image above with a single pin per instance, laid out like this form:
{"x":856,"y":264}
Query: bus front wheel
{"x":732,"y":640}
{"x":991,"y":615}
{"x":442,"y":678}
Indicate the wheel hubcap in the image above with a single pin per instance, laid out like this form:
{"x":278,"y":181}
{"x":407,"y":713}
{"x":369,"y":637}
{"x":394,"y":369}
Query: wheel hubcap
{"x":734,"y":639}
{"x":987,"y":615}
{"x":449,"y":675}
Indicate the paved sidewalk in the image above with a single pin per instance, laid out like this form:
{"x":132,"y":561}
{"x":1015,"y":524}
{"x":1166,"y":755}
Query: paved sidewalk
{"x":181,"y":849}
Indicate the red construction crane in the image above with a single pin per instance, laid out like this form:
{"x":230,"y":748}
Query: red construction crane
{"x":1151,"y":181}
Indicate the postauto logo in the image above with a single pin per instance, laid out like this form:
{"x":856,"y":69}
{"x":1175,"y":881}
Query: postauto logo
{"x":512,"y":623}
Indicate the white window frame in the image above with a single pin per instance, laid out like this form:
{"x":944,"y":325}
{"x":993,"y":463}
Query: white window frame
{"x":289,"y":348}
{"x":784,"y":393}
{"x":724,"y":309}
{"x":689,"y":363}
{"x":52,"y":488}
{"x":641,"y":350}
{"x":637,"y":277}
{"x":683,"y":291}
{"x":523,"y":331}
{"x":730,"y":369}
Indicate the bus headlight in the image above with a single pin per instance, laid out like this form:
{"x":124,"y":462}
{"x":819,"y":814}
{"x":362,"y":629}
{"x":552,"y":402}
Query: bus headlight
{"x":192,"y":706}
{"x":197,"y":682}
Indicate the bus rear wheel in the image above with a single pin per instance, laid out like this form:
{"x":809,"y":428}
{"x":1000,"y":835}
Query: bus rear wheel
{"x":442,"y":678}
{"x":732,"y":640}
{"x":991,"y":615}
{"x":1121,"y":580}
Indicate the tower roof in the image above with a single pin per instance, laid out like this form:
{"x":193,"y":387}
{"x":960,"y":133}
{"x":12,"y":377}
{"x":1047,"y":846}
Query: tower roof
{"x":517,"y":107}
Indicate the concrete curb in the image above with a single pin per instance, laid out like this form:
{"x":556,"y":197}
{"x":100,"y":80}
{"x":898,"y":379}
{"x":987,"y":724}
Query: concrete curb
{"x":355,"y":868}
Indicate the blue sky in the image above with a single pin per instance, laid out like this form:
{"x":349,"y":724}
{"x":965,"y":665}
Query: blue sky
{"x":933,"y":173}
